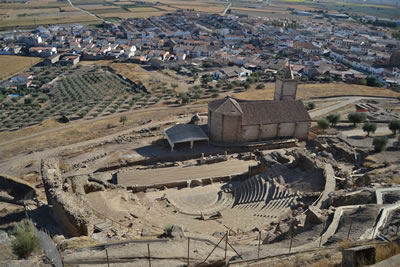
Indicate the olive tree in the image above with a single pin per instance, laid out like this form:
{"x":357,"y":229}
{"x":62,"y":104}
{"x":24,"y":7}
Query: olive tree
{"x":369,"y":128}
{"x":356,"y":117}
{"x":394,"y":125}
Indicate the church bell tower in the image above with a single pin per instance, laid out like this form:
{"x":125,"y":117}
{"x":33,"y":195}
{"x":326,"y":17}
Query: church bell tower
{"x":285,"y":85}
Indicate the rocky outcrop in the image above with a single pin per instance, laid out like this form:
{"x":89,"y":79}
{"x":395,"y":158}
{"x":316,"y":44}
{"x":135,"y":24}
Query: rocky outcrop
{"x":342,"y":198}
{"x":17,"y":188}
{"x":66,"y":208}
{"x":304,"y":161}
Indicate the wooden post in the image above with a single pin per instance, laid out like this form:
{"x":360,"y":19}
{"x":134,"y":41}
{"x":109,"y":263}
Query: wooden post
{"x":259,"y":244}
{"x":226,"y":244}
{"x":148,"y":251}
{"x":291,"y":236}
{"x":188,"y":259}
{"x":213,"y":249}
{"x":348,"y":233}
{"x":108,"y":261}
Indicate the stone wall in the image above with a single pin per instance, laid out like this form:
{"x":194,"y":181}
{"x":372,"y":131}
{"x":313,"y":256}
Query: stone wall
{"x":66,"y":208}
{"x":302,"y":130}
{"x":224,"y":128}
{"x":285,"y":89}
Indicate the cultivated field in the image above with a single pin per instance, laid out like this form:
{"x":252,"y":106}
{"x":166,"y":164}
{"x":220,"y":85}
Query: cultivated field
{"x":82,"y":93}
{"x":36,"y":12}
{"x":15,"y":65}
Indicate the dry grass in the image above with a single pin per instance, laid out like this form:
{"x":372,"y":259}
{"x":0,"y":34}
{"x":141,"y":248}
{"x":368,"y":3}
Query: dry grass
{"x":95,"y":7}
{"x":260,"y":10}
{"x":167,"y":8}
{"x":127,"y":15}
{"x":133,"y":72}
{"x":51,"y":134}
{"x":15,"y":64}
{"x":48,"y":124}
{"x":306,"y":91}
{"x":202,"y":8}
{"x":323,"y":263}
{"x":37,"y":12}
{"x":96,"y":63}
{"x":143,"y":9}
{"x":57,"y":18}
{"x":387,"y":250}
{"x":78,"y":242}
{"x":345,"y":244}
{"x":68,"y":9}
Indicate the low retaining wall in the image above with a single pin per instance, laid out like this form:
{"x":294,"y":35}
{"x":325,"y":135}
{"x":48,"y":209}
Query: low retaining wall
{"x":190,"y":183}
{"x":67,"y":210}
{"x":338,"y":96}
{"x":330,"y":185}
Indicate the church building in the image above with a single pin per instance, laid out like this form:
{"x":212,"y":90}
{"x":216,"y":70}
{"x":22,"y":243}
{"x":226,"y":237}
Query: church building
{"x":232,"y":120}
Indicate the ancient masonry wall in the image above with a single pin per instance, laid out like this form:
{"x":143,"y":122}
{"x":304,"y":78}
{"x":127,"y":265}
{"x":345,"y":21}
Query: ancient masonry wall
{"x":66,"y":208}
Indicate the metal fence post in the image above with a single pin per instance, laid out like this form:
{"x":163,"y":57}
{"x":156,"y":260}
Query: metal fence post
{"x":259,"y":244}
{"x":291,"y":236}
{"x":226,"y":244}
{"x":108,"y":261}
{"x":348,"y":234}
{"x":148,"y":251}
{"x":188,"y":259}
{"x":213,"y":249}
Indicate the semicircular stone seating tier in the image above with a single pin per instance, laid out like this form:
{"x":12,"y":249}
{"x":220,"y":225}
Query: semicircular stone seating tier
{"x":261,"y":196}
{"x":206,"y":200}
{"x":264,"y":197}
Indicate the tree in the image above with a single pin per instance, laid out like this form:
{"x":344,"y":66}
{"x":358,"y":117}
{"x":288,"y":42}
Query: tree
{"x":246,"y":85}
{"x":323,"y":123}
{"x":174,"y":86}
{"x":356,"y":117}
{"x":123,"y":119}
{"x":333,"y":119}
{"x":310,"y":106}
{"x":373,"y":81}
{"x":185,"y":98}
{"x":260,"y":86}
{"x":25,"y":242}
{"x":28,"y":100}
{"x":379,"y":143}
{"x":369,"y":127}
{"x":394,"y":125}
